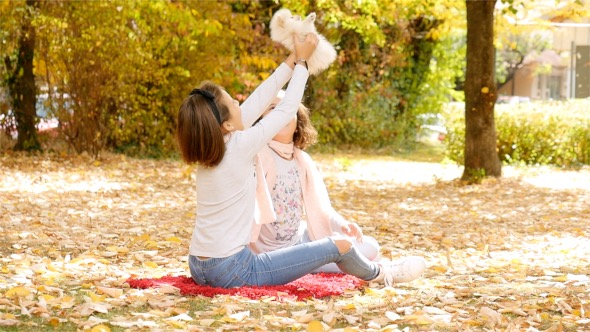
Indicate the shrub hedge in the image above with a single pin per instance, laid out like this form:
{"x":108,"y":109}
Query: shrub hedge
{"x":535,"y":133}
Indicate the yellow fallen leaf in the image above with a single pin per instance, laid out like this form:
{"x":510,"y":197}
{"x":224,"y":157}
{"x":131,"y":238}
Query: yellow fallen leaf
{"x":67,"y":302}
{"x":17,"y":291}
{"x":151,"y":244}
{"x":76,"y":260}
{"x":349,"y":306}
{"x":315,"y":326}
{"x":174,"y":239}
{"x":52,"y":268}
{"x":47,"y":297}
{"x":143,"y":237}
{"x":176,"y":324}
{"x":150,"y":264}
{"x":439,"y":268}
{"x":117,"y":249}
{"x":53,"y":321}
{"x":188,"y":172}
{"x":7,"y":316}
{"x":419,"y":319}
{"x":96,"y":298}
{"x":373,"y":291}
{"x":447,"y":241}
{"x":100,"y":328}
{"x":472,"y":322}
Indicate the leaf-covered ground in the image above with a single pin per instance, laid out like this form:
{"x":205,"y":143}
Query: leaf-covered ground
{"x":507,"y":255}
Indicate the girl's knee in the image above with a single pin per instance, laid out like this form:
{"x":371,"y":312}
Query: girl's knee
{"x":343,"y":244}
{"x":369,"y":247}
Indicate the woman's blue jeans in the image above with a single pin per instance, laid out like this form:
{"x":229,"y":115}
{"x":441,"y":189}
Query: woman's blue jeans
{"x":278,"y":267}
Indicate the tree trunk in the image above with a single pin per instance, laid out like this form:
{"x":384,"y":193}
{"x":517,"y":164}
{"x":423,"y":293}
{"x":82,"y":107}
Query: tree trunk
{"x":481,"y":155}
{"x":23,"y":90}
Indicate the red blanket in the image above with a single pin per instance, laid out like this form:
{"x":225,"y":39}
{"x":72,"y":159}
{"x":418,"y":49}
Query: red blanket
{"x":312,"y":285}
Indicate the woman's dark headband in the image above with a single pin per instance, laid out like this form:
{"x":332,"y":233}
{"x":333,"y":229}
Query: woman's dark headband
{"x":210,"y":98}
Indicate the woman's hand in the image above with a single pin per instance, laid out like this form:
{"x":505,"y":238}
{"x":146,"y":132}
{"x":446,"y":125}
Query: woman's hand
{"x":290,"y":60}
{"x":304,"y":49}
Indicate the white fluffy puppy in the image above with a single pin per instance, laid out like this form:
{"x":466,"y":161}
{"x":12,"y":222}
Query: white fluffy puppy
{"x":282,"y":26}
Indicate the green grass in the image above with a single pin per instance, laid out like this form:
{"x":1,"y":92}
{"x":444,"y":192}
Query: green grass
{"x":421,"y":152}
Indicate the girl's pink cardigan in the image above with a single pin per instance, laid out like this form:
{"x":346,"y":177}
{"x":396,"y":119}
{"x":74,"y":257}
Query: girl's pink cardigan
{"x":315,"y":195}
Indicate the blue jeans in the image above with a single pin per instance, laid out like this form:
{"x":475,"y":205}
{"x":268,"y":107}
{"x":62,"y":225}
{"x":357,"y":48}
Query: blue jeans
{"x":278,"y":267}
{"x":369,"y":248}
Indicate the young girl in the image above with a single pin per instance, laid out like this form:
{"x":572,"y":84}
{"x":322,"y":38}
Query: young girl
{"x":297,"y":189}
{"x":214,"y":132}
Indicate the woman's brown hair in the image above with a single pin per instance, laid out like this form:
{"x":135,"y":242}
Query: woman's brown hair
{"x":198,"y":132}
{"x":305,"y":133}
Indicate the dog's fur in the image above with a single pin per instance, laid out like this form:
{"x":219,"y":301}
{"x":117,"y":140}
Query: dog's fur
{"x":282,"y":26}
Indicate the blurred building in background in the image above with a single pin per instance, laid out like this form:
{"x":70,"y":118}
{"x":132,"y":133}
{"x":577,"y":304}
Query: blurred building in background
{"x":561,"y":72}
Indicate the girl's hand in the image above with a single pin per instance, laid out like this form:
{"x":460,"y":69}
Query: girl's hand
{"x":353,"y":230}
{"x":304,"y":49}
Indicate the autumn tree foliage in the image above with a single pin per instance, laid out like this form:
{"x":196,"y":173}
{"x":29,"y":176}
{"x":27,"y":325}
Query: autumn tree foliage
{"x":389,"y":69}
{"x":140,"y":59}
{"x":117,"y":71}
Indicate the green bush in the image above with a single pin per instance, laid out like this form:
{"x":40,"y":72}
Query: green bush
{"x":537,"y":133}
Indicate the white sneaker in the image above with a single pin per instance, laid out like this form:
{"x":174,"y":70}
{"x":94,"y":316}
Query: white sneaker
{"x":401,"y":270}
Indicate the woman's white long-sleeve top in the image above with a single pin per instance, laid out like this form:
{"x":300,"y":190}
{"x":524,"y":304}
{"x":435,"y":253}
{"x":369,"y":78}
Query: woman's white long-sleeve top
{"x":226,"y":192}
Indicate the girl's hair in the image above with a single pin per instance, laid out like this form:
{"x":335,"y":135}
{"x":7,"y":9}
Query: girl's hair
{"x":305,"y":133}
{"x":198,"y":133}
